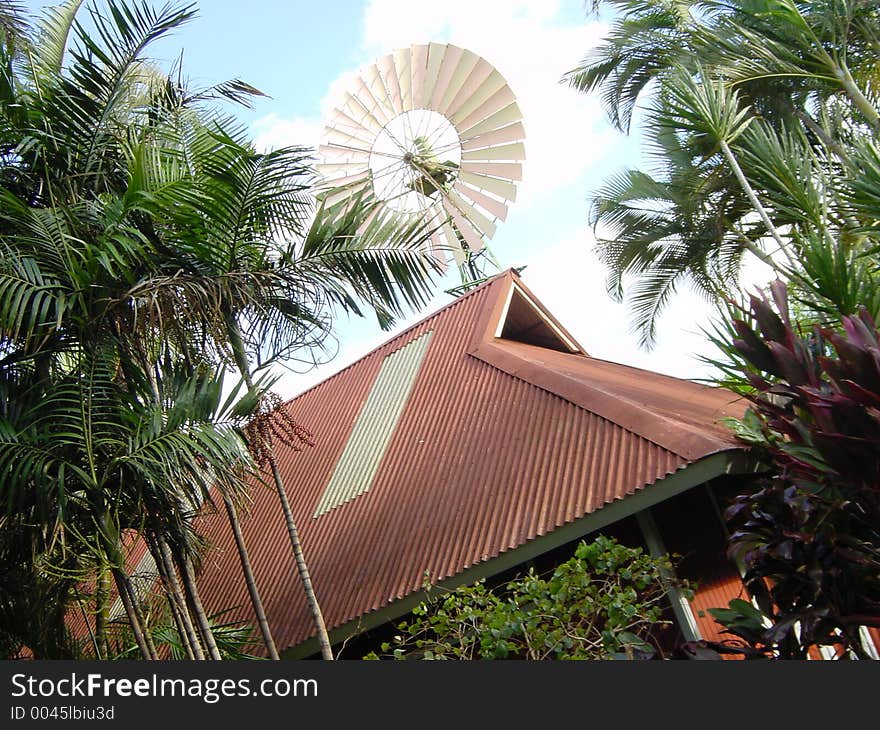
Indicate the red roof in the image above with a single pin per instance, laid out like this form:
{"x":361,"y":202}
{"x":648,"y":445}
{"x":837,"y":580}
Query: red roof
{"x":499,"y":442}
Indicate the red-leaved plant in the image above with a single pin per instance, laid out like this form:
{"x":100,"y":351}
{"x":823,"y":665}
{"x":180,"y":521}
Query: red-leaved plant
{"x":809,"y":537}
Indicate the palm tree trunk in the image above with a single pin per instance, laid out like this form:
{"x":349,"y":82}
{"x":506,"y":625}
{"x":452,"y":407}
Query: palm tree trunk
{"x":756,"y":204}
{"x":173,"y":597}
{"x":301,"y":565}
{"x":85,"y":616}
{"x":190,"y":634}
{"x":250,"y":581}
{"x":102,"y":606}
{"x":135,"y":603}
{"x":177,"y":616}
{"x":113,"y":552}
{"x":133,"y":618}
{"x":187,"y":574}
{"x":292,"y":532}
{"x":855,"y":93}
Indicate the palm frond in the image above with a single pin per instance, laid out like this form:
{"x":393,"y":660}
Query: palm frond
{"x":53,"y":31}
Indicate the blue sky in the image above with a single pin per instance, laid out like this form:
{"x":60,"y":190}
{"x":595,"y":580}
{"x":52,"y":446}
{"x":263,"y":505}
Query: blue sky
{"x":303,"y":55}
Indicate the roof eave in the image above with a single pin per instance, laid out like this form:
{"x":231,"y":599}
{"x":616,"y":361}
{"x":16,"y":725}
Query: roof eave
{"x":732,"y":461}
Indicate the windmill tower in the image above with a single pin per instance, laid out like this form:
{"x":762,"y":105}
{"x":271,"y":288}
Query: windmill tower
{"x":431,"y":131}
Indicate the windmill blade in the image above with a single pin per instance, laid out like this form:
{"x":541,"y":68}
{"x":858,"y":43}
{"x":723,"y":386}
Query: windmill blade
{"x":365,"y":127}
{"x":345,"y":138}
{"x":402,"y":61}
{"x":503,"y":188}
{"x":464,"y":64}
{"x":436,"y":52}
{"x":349,"y":183}
{"x":487,"y":203}
{"x":338,"y":153}
{"x":454,"y":243}
{"x":439,"y":250}
{"x":418,"y":69}
{"x":364,"y":108}
{"x":510,"y":133}
{"x":472,"y":84}
{"x":388,"y":74}
{"x":480,"y":222}
{"x":507,"y":170}
{"x":500,"y":99}
{"x":470,"y":234}
{"x":330,"y":170}
{"x":487,"y":88}
{"x":374,"y":89}
{"x":341,"y":199}
{"x":331,"y":176}
{"x":515,"y":151}
{"x":507,"y":115}
{"x":450,"y":59}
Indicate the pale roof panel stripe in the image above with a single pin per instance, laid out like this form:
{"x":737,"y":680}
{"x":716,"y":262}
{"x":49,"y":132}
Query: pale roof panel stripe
{"x":374,"y":426}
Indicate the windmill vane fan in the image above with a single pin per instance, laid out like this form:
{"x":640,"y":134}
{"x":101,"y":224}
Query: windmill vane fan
{"x":432,"y":131}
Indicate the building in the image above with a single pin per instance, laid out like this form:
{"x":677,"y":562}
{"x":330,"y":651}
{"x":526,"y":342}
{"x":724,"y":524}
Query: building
{"x":481,"y":439}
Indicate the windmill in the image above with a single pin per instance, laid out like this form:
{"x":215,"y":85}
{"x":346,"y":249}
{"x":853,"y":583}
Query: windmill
{"x":432,"y":131}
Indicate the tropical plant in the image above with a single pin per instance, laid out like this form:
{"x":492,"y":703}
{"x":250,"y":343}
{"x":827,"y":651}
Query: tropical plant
{"x":606,"y":602}
{"x":263,"y":268}
{"x":127,"y":199}
{"x":808,"y":536}
{"x":760,"y":117}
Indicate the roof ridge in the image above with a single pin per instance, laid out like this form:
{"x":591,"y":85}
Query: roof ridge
{"x":686,"y":439}
{"x":510,"y":272}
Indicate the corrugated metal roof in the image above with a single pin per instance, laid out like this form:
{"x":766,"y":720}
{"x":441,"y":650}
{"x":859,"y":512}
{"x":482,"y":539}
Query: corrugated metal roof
{"x":375,"y":425}
{"x":498,"y":443}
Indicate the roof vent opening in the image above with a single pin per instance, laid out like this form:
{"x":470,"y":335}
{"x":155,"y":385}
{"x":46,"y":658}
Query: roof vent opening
{"x":524,"y":321}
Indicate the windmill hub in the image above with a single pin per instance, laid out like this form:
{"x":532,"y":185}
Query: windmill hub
{"x":414,"y":158}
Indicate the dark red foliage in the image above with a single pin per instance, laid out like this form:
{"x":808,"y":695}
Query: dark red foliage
{"x":809,"y":538}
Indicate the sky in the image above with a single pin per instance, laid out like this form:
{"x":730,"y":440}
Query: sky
{"x":304,"y":55}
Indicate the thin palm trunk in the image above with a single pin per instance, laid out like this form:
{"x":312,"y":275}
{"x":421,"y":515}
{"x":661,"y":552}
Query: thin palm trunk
{"x":301,"y":565}
{"x":858,"y":97}
{"x":113,"y":551}
{"x":173,"y":597}
{"x":102,"y":606}
{"x":133,"y":619}
{"x":85,"y":616}
{"x":176,"y":614}
{"x":756,"y":204}
{"x":292,"y":532}
{"x":187,"y":575}
{"x":753,"y":249}
{"x":136,"y":607}
{"x":249,"y":579}
{"x":191,"y":635}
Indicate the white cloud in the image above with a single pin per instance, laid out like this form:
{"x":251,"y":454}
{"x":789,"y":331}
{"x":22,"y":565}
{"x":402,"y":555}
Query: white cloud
{"x":568,"y":278}
{"x":273,"y":131}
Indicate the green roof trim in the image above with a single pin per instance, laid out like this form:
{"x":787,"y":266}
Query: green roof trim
{"x":374,"y":426}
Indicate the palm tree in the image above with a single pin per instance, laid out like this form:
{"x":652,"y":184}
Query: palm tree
{"x":13,"y":26}
{"x":801,"y":81}
{"x":122,"y":203}
{"x":73,"y":245}
{"x":275,"y":276}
